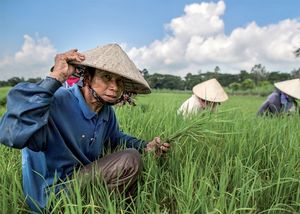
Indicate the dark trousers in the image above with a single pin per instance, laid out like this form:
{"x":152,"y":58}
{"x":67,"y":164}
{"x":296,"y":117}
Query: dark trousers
{"x":118,"y":170}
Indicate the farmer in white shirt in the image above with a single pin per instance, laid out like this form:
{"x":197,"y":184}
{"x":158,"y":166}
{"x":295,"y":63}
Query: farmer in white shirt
{"x":206,"y":95}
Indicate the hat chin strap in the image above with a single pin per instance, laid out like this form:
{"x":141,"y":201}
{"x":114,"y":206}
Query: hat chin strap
{"x":98,"y":98}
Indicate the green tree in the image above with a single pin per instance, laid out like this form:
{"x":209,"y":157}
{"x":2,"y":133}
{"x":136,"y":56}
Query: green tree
{"x":295,"y":73}
{"x":226,"y":79}
{"x":276,"y":76}
{"x":235,"y":86}
{"x":243,"y":75}
{"x":33,"y":80}
{"x":166,"y":81}
{"x":145,"y":72}
{"x":247,"y":84}
{"x":264,"y":83}
{"x":15,"y":80}
{"x":217,"y":69}
{"x":259,"y":73}
{"x":192,"y":80}
{"x":173,"y":82}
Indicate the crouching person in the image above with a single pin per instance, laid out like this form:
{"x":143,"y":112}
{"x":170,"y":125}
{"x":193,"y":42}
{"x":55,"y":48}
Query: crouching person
{"x":206,"y":96}
{"x":63,"y":129}
{"x":282,"y":100}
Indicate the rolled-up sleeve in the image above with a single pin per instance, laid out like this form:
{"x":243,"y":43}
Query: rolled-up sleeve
{"x":25,"y":122}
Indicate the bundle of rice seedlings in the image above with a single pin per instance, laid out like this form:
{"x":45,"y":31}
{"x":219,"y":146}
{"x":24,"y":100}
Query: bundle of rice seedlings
{"x":196,"y":128}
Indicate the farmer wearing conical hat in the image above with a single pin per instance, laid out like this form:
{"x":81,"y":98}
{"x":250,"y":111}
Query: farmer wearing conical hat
{"x":64,"y":129}
{"x":206,"y":95}
{"x":283,"y":99}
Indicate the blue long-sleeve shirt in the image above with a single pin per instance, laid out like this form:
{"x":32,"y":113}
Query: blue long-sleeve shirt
{"x":57,"y":131}
{"x":276,"y":102}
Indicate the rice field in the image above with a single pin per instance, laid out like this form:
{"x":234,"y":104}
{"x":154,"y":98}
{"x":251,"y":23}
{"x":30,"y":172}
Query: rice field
{"x":227,"y":162}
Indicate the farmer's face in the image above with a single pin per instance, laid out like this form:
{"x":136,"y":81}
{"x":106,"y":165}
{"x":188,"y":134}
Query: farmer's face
{"x":207,"y":104}
{"x":107,"y":85}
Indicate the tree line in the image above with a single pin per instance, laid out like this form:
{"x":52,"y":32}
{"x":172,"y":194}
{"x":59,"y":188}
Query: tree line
{"x":257,"y":76}
{"x":15,"y":80}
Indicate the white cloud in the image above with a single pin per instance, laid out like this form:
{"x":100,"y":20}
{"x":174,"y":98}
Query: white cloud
{"x":194,"y":41}
{"x":33,"y":60}
{"x":197,"y":41}
{"x":199,"y":19}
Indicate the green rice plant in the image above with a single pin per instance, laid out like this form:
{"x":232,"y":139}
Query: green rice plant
{"x":227,"y":162}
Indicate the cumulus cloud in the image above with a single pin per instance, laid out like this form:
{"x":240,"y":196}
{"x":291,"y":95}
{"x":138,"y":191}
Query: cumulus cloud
{"x":33,"y":60}
{"x":196,"y":41}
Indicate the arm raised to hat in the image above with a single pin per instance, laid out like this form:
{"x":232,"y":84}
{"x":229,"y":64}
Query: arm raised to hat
{"x":62,"y":70}
{"x":25,"y":123}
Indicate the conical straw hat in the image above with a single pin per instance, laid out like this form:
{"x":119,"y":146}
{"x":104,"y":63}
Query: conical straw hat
{"x":113,"y":59}
{"x":210,"y":90}
{"x":290,"y":87}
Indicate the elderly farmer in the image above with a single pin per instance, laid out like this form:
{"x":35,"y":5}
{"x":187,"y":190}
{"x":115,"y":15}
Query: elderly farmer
{"x":283,"y":99}
{"x":206,"y":95}
{"x":64,"y":129}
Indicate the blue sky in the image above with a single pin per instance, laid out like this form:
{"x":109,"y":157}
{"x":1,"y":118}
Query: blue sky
{"x":172,"y":37}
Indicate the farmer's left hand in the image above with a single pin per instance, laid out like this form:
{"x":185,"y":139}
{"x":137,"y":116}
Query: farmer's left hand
{"x":158,"y":146}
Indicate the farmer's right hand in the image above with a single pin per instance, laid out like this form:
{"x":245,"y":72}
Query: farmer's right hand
{"x":157,"y":146}
{"x":62,"y":70}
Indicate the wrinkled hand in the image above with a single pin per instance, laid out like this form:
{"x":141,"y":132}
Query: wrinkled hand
{"x":62,"y":70}
{"x":157,"y":146}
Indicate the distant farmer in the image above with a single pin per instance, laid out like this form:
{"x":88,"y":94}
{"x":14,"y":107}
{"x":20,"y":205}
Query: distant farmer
{"x":206,"y":95}
{"x":283,"y":98}
{"x":64,"y":129}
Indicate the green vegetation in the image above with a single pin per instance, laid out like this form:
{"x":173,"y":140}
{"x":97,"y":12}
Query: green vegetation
{"x":233,"y":163}
{"x":263,"y":90}
{"x":243,"y":82}
{"x":258,"y":76}
{"x":3,"y":93}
